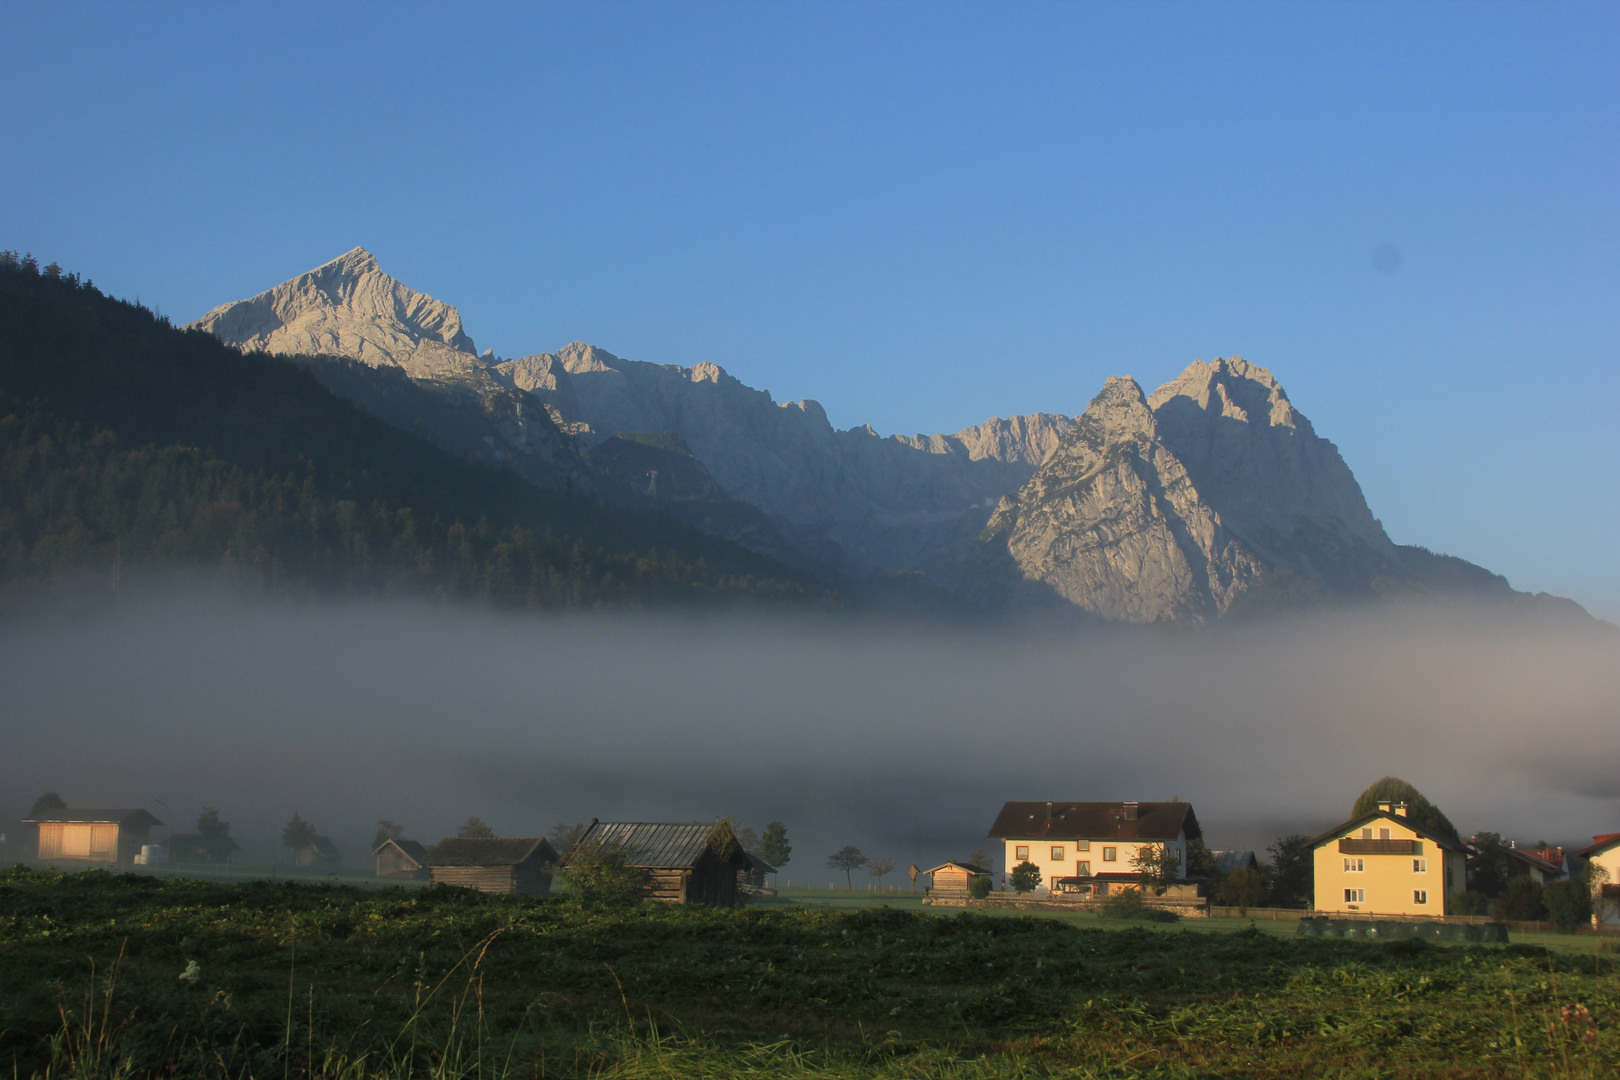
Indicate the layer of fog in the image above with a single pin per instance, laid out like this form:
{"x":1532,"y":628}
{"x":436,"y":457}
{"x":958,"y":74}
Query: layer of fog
{"x":904,"y":741}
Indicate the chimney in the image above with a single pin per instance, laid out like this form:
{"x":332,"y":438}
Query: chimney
{"x":1048,"y":815}
{"x":1386,"y":806}
{"x":1400,"y":809}
{"x":1132,"y":811}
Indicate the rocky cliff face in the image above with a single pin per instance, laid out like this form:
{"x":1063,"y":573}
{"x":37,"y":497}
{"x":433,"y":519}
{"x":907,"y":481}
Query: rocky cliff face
{"x":1179,"y":505}
{"x":350,"y":310}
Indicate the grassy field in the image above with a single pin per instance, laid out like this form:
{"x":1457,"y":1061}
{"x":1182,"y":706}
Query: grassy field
{"x":125,"y":976}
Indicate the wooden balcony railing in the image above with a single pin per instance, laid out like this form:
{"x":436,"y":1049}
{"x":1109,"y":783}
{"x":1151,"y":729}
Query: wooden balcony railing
{"x":1379,"y":847}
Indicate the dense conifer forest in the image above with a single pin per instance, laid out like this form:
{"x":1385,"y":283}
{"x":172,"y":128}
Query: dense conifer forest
{"x":130,"y":448}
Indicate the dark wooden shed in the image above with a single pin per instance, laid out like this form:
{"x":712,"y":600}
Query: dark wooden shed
{"x":518,"y":865}
{"x":401,"y":859}
{"x":197,"y":848}
{"x":679,"y":858}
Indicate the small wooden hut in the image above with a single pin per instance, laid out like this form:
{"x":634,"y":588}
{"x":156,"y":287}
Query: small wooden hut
{"x":401,"y":859}
{"x":111,"y":836}
{"x":197,"y":848}
{"x":520,"y":865}
{"x":951,"y":879}
{"x":679,"y":858}
{"x":320,"y":853}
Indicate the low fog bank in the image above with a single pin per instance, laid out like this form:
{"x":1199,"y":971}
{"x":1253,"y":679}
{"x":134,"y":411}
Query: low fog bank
{"x":904,"y":741}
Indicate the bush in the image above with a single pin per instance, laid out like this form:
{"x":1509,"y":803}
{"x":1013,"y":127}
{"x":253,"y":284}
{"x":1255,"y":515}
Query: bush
{"x":1130,"y":904}
{"x":979,"y":887}
{"x":1568,"y":903}
{"x":1470,"y":903}
{"x":1026,"y":877}
{"x":1243,"y":889}
{"x":1521,"y":900}
{"x":598,"y":876}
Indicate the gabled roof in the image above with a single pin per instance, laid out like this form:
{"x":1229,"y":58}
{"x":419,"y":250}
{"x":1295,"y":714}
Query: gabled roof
{"x":1339,"y":831}
{"x":948,"y":863}
{"x":1094,"y":821}
{"x":654,"y":844}
{"x":408,"y":848}
{"x":324,"y":847}
{"x":466,"y":851}
{"x":1601,"y":842}
{"x":759,"y":864}
{"x":1546,"y":866}
{"x":94,"y":817}
{"x":1228,"y":861}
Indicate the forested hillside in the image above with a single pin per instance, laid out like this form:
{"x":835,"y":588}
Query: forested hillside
{"x":129,"y":447}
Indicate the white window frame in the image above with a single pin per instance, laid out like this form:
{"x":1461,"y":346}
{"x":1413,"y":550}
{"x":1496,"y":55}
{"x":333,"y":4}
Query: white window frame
{"x":1355,"y":896}
{"x":1355,"y":866}
{"x":1082,"y":868}
{"x":1420,"y":866}
{"x":1110,"y":854}
{"x":1420,"y":896}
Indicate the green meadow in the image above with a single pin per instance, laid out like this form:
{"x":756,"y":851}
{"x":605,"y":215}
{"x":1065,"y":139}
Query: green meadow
{"x":105,"y":976}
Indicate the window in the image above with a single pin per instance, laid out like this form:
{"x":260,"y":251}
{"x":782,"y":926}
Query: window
{"x":1021,"y":853}
{"x":1110,"y":854}
{"x":1420,"y":866}
{"x":1082,"y":868}
{"x":1057,"y":853}
{"x":1420,"y":896}
{"x":1383,"y":834}
{"x":1366,"y":834}
{"x":1355,"y":896}
{"x":1355,"y":866}
{"x":1082,"y":845}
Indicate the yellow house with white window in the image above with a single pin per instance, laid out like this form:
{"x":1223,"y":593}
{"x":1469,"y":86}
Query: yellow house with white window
{"x":1382,"y":863}
{"x":1091,"y":847}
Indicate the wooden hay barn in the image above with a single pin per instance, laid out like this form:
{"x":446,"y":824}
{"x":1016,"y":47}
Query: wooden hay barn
{"x":401,"y":859}
{"x":951,"y":879}
{"x":197,"y":848}
{"x":110,"y":836}
{"x":521,"y":865}
{"x":320,"y":853}
{"x":679,"y":859}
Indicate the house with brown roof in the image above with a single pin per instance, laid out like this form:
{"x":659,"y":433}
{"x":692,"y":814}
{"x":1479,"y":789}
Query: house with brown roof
{"x":99,"y":836}
{"x":685,"y":862}
{"x":1543,"y":866}
{"x":401,"y":859}
{"x":1384,"y":863}
{"x":517,"y":865}
{"x":1090,"y":847}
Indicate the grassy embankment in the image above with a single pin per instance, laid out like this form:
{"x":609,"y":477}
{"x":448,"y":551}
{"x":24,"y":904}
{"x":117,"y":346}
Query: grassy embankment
{"x":303,"y":980}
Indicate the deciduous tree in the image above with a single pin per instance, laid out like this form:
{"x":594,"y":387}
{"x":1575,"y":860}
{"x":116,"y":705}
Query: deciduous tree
{"x":1025,"y":877}
{"x":475,"y":828}
{"x":1293,"y":870}
{"x":848,"y":859}
{"x":878,"y":867}
{"x":1243,"y":888}
{"x":386,"y":831}
{"x":1419,"y":809}
{"x":298,"y":834}
{"x":774,"y":847}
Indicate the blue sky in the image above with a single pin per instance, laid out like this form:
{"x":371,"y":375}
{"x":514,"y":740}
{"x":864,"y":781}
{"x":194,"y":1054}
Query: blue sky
{"x":920,"y":215}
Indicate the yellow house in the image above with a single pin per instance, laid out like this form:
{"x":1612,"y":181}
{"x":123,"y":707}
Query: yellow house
{"x":1382,"y":863}
{"x":1090,"y":847}
{"x":1603,"y":857}
{"x":113,"y":836}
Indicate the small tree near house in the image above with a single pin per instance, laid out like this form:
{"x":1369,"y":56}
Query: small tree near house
{"x":878,"y":867}
{"x":1243,"y":889}
{"x":1025,"y":877}
{"x":1158,"y":865}
{"x":774,"y":847}
{"x":297,"y":834}
{"x":848,"y":859}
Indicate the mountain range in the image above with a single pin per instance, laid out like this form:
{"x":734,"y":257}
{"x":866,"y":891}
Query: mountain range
{"x":1212,"y":495}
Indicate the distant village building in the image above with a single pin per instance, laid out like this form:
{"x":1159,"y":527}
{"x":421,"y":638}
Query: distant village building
{"x":1228,"y":861}
{"x":679,"y":859}
{"x":519,"y":865}
{"x":1542,"y":866}
{"x":401,"y":859}
{"x":1089,"y":848}
{"x":951,"y":880}
{"x":197,"y":848}
{"x":758,"y":870}
{"x":104,"y":836}
{"x":1383,"y":863}
{"x":320,"y":854}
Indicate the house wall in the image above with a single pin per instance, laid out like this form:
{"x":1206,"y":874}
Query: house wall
{"x":526,"y":881}
{"x":1076,"y":852}
{"x":391,"y":862}
{"x":1609,"y":860}
{"x":1388,"y":884}
{"x":93,"y":841}
{"x":951,"y":883}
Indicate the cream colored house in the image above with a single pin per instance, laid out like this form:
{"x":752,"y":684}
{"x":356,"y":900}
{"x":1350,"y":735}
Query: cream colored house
{"x":1382,"y":863}
{"x":1603,"y":856}
{"x":1091,"y":847}
{"x":106,"y":836}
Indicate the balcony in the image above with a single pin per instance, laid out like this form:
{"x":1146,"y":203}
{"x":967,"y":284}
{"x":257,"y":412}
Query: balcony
{"x":1380,"y":847}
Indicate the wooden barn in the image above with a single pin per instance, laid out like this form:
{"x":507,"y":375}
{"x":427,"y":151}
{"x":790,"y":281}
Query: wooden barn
{"x":494,"y":866}
{"x":402,"y":859}
{"x":951,"y":879}
{"x":109,"y":836}
{"x":679,"y":859}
